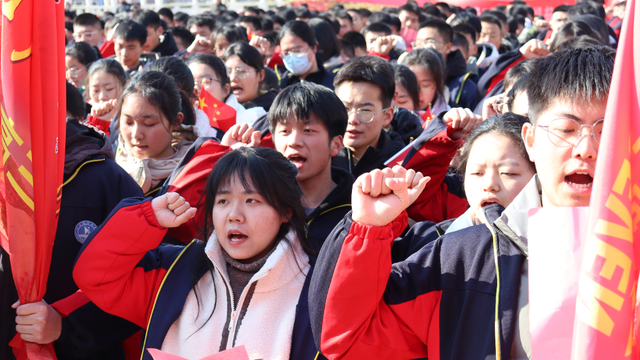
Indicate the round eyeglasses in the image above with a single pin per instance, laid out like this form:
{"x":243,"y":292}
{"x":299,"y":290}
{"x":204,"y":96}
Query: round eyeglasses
{"x":365,"y":116}
{"x":568,"y":132}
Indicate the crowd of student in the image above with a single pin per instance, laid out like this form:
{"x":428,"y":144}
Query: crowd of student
{"x":350,"y":126}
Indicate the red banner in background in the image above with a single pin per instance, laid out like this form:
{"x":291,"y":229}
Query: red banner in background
{"x":606,"y":306}
{"x":33,"y":109}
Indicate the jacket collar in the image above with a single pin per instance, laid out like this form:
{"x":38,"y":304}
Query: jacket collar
{"x":288,"y":254}
{"x":516,"y":215}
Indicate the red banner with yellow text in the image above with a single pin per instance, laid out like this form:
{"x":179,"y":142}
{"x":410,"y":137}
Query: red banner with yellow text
{"x":606,"y":304}
{"x":33,"y":109}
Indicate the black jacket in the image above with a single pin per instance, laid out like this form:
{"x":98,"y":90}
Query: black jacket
{"x":265,"y":100}
{"x":374,"y":158}
{"x":406,"y":124}
{"x":93,"y":185}
{"x":461,"y":83}
{"x":336,"y":205}
{"x":168,"y":45}
{"x":320,"y":77}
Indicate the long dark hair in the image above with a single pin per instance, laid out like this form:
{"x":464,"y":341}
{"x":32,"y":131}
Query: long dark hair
{"x":431,"y":61}
{"x":271,"y":175}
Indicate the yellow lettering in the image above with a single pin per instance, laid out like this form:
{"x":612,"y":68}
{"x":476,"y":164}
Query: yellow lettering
{"x":7,"y":126}
{"x":613,"y":258}
{"x":623,"y":176}
{"x":631,"y":342}
{"x":27,"y":200}
{"x":9,"y":8}
{"x":636,"y":146}
{"x":589,"y":309}
{"x":20,"y":55}
{"x":29,"y":155}
{"x":608,"y":228}
{"x":26,"y":174}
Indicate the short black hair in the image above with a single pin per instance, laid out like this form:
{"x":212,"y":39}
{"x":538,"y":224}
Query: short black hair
{"x":396,"y":23}
{"x":287,"y":15}
{"x":356,"y":39}
{"x":233,"y":33}
{"x":513,"y":22}
{"x":166,"y":12}
{"x":201,"y":20}
{"x":213,"y":62}
{"x":581,"y":41}
{"x":146,"y":18}
{"x":461,"y":42}
{"x":562,"y":8}
{"x":469,"y":19}
{"x":465,"y":29}
{"x":408,"y":80}
{"x":569,"y":30}
{"x":130,"y":30}
{"x":376,"y":27}
{"x":252,"y":20}
{"x":490,"y":19}
{"x":83,"y":52}
{"x":441,"y":26}
{"x":344,"y":15}
{"x":266,"y":23}
{"x":410,"y":7}
{"x":584,"y":8}
{"x":578,"y":75}
{"x":181,"y":17}
{"x":247,"y":53}
{"x":518,"y":71}
{"x":499,"y":15}
{"x":88,"y":19}
{"x":180,"y":32}
{"x":471,"y":10}
{"x":302,"y":12}
{"x":75,"y":103}
{"x":379,"y":17}
{"x":300,"y":29}
{"x":369,"y":69}
{"x":301,"y":100}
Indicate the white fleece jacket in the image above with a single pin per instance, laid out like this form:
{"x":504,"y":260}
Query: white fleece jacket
{"x":270,"y":299}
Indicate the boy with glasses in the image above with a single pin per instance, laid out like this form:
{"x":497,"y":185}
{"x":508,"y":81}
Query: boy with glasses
{"x":437,"y":34}
{"x":438,"y":303}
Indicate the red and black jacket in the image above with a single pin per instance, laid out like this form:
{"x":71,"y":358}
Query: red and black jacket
{"x":439,"y":303}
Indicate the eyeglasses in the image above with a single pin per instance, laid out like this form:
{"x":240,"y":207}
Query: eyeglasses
{"x":299,"y":50}
{"x":205,"y":82}
{"x":75,"y":72}
{"x":501,"y":105}
{"x":83,"y":35}
{"x":365,"y":116}
{"x":241,"y":73}
{"x":427,"y":87}
{"x":568,"y":132}
{"x":424,"y":43}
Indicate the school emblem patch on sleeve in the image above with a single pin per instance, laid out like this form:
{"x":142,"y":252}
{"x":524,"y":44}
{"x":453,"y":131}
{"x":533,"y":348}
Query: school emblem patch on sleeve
{"x":83,"y":230}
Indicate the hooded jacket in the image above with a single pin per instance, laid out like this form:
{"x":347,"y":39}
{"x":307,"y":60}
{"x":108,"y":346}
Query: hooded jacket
{"x":373,"y":158}
{"x":333,"y":208}
{"x":497,"y":71}
{"x":167,"y":45}
{"x":406,"y":124}
{"x":150,"y":286}
{"x":461,"y":83}
{"x":443,"y":302}
{"x":93,"y":184}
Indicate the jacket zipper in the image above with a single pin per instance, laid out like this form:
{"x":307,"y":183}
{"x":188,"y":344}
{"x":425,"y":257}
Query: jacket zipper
{"x":497,"y":307}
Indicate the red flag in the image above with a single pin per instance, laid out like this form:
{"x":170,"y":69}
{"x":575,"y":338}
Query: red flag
{"x":398,"y":158}
{"x":221,"y":115}
{"x":605,"y":307}
{"x":33,"y":104}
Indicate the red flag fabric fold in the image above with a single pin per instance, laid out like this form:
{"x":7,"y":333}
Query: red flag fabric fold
{"x":33,"y":109}
{"x":221,"y":115}
{"x":605,"y":308}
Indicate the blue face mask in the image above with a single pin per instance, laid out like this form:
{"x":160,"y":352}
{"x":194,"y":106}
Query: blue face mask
{"x":297,"y":63}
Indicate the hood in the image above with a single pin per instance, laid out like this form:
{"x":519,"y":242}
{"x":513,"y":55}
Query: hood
{"x":265,"y":100}
{"x":406,"y":124}
{"x":456,"y":65}
{"x":341,"y":195}
{"x":167,"y":45}
{"x":83,"y":142}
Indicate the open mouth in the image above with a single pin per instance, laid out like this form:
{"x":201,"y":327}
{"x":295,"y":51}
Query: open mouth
{"x":235,"y":236}
{"x":489,"y":202}
{"x":297,"y":160}
{"x":579,"y":180}
{"x":236,"y":89}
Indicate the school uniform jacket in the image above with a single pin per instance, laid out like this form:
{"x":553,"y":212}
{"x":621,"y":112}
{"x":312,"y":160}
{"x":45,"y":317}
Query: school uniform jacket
{"x":456,"y":298}
{"x":388,"y":145}
{"x":120,"y":270}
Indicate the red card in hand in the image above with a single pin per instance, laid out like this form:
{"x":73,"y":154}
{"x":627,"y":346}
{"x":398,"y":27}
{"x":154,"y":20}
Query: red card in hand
{"x":237,"y":353}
